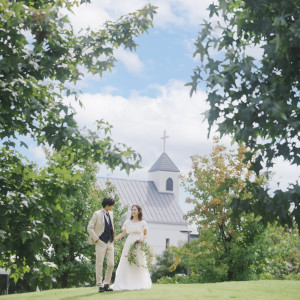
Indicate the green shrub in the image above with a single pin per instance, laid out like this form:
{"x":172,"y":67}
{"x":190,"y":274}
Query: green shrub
{"x":163,"y":263}
{"x":292,"y":277}
{"x":180,"y":278}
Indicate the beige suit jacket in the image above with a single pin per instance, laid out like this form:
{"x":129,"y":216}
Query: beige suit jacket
{"x":96,"y":226}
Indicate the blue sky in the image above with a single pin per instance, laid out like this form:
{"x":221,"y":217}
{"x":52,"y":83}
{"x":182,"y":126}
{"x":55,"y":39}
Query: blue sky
{"x":163,"y":55}
{"x":145,"y":93}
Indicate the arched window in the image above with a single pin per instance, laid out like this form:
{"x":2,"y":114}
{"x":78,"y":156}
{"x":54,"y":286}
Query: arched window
{"x":169,"y":184}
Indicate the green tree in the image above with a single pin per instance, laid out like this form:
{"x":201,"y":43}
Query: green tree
{"x":21,"y":216}
{"x":73,"y":256}
{"x":68,"y":248}
{"x":41,"y":60}
{"x":66,"y":258}
{"x":225,"y":249}
{"x":278,"y":254}
{"x":163,"y":264}
{"x":255,"y":99}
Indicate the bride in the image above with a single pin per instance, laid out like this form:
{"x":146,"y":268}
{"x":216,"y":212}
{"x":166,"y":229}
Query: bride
{"x":130,"y":276}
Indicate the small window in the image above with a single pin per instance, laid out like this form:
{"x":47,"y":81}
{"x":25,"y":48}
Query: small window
{"x":167,"y":243}
{"x":169,"y":184}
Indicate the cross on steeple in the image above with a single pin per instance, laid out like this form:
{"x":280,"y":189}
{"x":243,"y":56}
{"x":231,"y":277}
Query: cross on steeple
{"x":164,"y":138}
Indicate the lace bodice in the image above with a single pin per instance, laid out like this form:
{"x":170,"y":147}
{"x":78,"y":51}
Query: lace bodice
{"x":134,"y":227}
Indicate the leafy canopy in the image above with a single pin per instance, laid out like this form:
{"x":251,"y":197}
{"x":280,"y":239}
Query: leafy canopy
{"x":253,"y":86}
{"x":41,"y":61}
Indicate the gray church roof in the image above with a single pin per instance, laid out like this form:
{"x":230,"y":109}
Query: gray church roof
{"x":164,"y":163}
{"x":157,"y":207}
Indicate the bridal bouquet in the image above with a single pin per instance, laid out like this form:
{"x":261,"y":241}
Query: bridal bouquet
{"x":145,"y":251}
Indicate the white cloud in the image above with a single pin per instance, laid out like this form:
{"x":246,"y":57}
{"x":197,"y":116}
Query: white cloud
{"x":139,"y":121}
{"x":130,"y":60}
{"x":255,"y":51}
{"x":89,"y":15}
{"x":38,"y":154}
{"x":285,"y":174}
{"x":181,"y":13}
{"x":96,"y":13}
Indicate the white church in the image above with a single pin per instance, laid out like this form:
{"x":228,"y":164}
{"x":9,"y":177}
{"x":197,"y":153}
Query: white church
{"x":159,"y":198}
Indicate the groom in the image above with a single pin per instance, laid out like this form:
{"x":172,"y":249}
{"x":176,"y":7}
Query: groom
{"x":101,"y":234}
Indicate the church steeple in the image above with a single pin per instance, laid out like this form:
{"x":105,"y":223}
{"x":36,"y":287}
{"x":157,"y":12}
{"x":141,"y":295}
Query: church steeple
{"x":164,"y":174}
{"x":164,"y":163}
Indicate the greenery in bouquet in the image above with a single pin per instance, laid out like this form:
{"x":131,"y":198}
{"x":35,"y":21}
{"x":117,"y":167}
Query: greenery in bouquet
{"x":146,"y":251}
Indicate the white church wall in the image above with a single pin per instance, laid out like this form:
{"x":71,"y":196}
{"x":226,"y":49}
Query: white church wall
{"x":159,"y":233}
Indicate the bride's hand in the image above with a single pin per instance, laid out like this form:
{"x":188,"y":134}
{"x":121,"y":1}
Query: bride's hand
{"x":140,"y":240}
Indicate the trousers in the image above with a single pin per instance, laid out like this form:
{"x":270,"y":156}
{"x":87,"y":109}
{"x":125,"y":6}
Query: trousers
{"x":102,"y":250}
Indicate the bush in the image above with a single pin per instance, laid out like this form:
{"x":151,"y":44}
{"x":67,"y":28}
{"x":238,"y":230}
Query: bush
{"x":163,"y":263}
{"x":292,"y":277}
{"x":180,"y":278}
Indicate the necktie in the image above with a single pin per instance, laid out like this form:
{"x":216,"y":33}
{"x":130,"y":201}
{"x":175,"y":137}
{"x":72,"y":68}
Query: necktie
{"x":107,"y":218}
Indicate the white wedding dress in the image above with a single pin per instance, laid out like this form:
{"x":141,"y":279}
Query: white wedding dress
{"x":130,"y":276}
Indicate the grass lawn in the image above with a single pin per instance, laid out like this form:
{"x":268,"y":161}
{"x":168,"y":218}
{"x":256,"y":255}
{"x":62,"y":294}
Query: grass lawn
{"x":254,"y":290}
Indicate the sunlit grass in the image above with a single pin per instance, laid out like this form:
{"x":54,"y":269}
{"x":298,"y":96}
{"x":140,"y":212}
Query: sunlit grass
{"x":266,"y":290}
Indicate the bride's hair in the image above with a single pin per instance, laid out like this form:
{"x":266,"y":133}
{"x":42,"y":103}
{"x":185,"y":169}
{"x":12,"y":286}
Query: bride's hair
{"x":140,"y":210}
